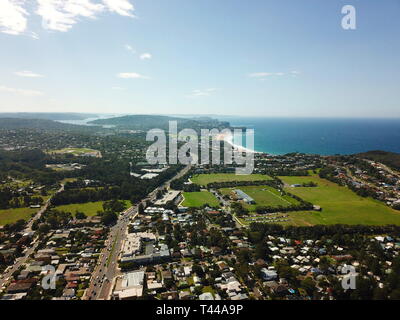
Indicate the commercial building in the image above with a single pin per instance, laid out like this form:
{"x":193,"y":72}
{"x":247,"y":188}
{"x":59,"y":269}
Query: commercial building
{"x":130,"y":286}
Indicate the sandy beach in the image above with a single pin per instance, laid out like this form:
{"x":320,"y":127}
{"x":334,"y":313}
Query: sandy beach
{"x":228,"y":137}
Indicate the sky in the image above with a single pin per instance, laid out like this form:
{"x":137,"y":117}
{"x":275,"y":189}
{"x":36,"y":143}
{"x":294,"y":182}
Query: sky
{"x":270,"y":58}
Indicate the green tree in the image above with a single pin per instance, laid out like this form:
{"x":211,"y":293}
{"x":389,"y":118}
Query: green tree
{"x":109,"y":218}
{"x":80,"y":215}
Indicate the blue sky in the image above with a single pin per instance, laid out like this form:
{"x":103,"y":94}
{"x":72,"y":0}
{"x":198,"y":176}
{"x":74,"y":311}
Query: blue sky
{"x":232,"y":57}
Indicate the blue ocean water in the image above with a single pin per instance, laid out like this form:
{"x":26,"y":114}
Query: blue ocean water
{"x":321,"y":136}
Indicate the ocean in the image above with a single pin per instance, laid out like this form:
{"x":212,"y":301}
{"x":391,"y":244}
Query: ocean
{"x":320,"y":136}
{"x":314,"y":136}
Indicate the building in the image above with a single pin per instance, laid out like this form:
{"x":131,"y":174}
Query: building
{"x":268,"y":275}
{"x":243,"y":196}
{"x":172,"y":195}
{"x":130,"y":286}
{"x":139,"y":249}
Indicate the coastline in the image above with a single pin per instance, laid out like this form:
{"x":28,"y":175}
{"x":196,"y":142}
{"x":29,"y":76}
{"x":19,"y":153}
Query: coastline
{"x":228,"y":137}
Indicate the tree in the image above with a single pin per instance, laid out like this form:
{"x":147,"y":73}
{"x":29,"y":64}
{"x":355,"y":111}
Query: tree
{"x":44,"y":228}
{"x":109,"y":218}
{"x":260,"y":251}
{"x":198,"y":290}
{"x":198,"y":270}
{"x":308,"y":285}
{"x":140,"y":208}
{"x":80,"y":215}
{"x":114,"y":206}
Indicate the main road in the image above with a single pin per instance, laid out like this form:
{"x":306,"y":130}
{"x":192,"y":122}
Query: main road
{"x":106,"y":270}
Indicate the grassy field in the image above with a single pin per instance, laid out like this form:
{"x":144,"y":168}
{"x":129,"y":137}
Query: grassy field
{"x":13,"y":215}
{"x":75,"y":151}
{"x":64,"y":181}
{"x":263,"y":196}
{"x":89,"y":208}
{"x":198,"y":199}
{"x":339,"y":205}
{"x":204,"y":179}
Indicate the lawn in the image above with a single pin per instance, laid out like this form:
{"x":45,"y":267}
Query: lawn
{"x":89,"y":208}
{"x":75,"y":151}
{"x":339,"y":205}
{"x":64,"y":181}
{"x":263,"y":196}
{"x":13,"y":215}
{"x":204,"y":179}
{"x":198,"y":199}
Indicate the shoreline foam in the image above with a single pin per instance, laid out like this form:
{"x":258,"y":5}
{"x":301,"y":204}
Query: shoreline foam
{"x":228,"y":137}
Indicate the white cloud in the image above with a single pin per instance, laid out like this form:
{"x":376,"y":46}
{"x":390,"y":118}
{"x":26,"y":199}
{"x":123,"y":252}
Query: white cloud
{"x":122,"y":7}
{"x":202,"y":93}
{"x":28,"y":74}
{"x":24,"y":92}
{"x":145,"y":56}
{"x":265,"y":74}
{"x":12,"y":17}
{"x":130,"y":48}
{"x":61,"y":15}
{"x":117,"y":88}
{"x":57,"y":15}
{"x":131,"y":75}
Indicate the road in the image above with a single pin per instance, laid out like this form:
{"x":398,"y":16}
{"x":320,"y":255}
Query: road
{"x":20,"y":261}
{"x":43,"y":209}
{"x":106,"y":270}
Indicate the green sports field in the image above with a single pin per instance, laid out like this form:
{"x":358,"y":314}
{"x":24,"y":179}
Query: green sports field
{"x":89,"y":208}
{"x":204,"y":179}
{"x":339,"y":205}
{"x":198,"y":199}
{"x":13,"y":215}
{"x":75,"y":151}
{"x":263,"y":196}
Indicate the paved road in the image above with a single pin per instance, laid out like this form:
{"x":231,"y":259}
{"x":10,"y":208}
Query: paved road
{"x":5,"y":276}
{"x":39,"y":213}
{"x":106,"y":270}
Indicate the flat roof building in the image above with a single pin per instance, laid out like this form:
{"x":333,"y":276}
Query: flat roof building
{"x":244,"y":196}
{"x":170,"y":196}
{"x":130,"y":286}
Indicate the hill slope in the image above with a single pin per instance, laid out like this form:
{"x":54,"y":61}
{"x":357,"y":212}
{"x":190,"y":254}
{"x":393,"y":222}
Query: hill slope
{"x":147,"y":122}
{"x":390,"y":159}
{"x":13,"y":123}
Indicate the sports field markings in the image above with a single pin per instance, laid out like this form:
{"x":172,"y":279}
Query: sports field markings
{"x":279,"y":197}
